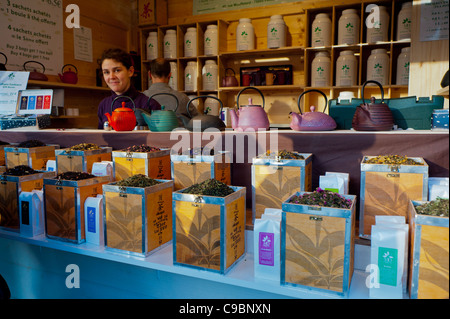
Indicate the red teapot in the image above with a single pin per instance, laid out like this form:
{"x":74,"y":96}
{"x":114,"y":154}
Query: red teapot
{"x":122,"y":118}
{"x":69,"y":76}
{"x":34,"y":74}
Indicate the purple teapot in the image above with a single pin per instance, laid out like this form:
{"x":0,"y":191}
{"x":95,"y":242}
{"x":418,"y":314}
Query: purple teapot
{"x":312,"y":121}
{"x":249,"y":117}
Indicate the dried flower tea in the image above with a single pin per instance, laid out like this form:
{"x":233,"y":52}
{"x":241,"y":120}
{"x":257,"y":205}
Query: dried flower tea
{"x":392,"y":159}
{"x":141,"y":149}
{"x":138,"y":180}
{"x":210,"y":187}
{"x":322,"y":198}
{"x":74,"y":176}
{"x":20,"y":170}
{"x":30,"y":144}
{"x":283,"y":154}
{"x":438,"y":207}
{"x":84,"y":147}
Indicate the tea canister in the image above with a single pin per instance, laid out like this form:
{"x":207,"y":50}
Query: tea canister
{"x":403,"y":67}
{"x":320,"y":69}
{"x":377,"y":24}
{"x":173,"y":83}
{"x":346,"y":69}
{"x":378,"y":66}
{"x":210,"y":40}
{"x":321,"y":31}
{"x":404,"y":20}
{"x":170,"y":44}
{"x":152,"y":46}
{"x":209,"y":75}
{"x":276,"y":32}
{"x":190,"y":42}
{"x":190,"y":76}
{"x":245,"y":35}
{"x":348,"y":27}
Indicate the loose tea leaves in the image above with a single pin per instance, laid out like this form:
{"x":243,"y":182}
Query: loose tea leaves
{"x":138,"y":180}
{"x":210,"y":187}
{"x":392,"y":159}
{"x":20,"y":170}
{"x":84,"y":147}
{"x":322,"y":198}
{"x":283,"y":154}
{"x":141,"y":149}
{"x":438,"y":207}
{"x":74,"y":176}
{"x":30,"y":144}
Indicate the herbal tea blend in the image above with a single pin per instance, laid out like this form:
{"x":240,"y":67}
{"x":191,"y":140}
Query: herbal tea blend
{"x":210,"y":187}
{"x":283,"y":154}
{"x":74,"y":176}
{"x":141,"y":149}
{"x":438,"y":207}
{"x":392,"y":159}
{"x":20,"y":170}
{"x":323,"y":198}
{"x":84,"y":147}
{"x":138,"y":180}
{"x":31,"y":143}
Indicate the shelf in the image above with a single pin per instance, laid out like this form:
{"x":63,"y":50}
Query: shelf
{"x":47,"y":84}
{"x":263,"y":88}
{"x":258,"y":52}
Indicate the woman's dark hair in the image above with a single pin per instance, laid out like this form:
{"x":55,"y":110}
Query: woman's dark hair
{"x":160,"y":67}
{"x":118,"y":55}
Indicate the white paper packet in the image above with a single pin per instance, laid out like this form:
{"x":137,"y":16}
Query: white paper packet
{"x":266,"y":238}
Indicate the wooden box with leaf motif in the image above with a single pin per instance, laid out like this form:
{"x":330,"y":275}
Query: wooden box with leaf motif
{"x":274,"y":179}
{"x":155,"y":164}
{"x":64,"y":206}
{"x":2,"y":154}
{"x":137,"y":220}
{"x":68,"y":160}
{"x":209,"y":231}
{"x":386,"y":189}
{"x":10,"y":189}
{"x":35,"y":157}
{"x":188,"y":170}
{"x":317,"y":245}
{"x":429,"y":254}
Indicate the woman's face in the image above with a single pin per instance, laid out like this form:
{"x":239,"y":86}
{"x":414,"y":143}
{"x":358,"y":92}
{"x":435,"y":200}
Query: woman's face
{"x":116,"y":75}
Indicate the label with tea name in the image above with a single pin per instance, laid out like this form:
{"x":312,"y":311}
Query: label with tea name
{"x":266,"y":249}
{"x":91,"y":219}
{"x":387,"y":264}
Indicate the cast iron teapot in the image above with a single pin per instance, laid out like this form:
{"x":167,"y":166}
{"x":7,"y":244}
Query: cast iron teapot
{"x":35,"y":75}
{"x":373,"y":116}
{"x":206,"y":121}
{"x":161,"y":120}
{"x":69,"y":76}
{"x":3,"y":65}
{"x":249,"y":117}
{"x":312,"y":121}
{"x":229,"y":80}
{"x":122,"y":118}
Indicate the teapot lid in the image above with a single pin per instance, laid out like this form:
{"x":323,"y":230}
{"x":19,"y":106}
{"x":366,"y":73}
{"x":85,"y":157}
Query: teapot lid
{"x":123,"y":108}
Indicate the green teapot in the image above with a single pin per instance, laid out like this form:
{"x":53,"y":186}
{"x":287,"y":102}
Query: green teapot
{"x":161,"y":120}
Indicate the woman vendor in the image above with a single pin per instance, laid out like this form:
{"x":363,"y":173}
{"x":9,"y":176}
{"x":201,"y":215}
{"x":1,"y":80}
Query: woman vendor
{"x":117,"y":67}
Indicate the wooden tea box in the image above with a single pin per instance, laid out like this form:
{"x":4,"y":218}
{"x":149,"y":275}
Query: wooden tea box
{"x":155,"y":164}
{"x":209,"y":231}
{"x":2,"y":154}
{"x":188,"y":170}
{"x":274,"y":180}
{"x":429,"y":256}
{"x":34,"y":157}
{"x":137,"y":220}
{"x":317,"y":246}
{"x":80,"y":161}
{"x":64,"y":206}
{"x":10,"y":189}
{"x":387,"y":189}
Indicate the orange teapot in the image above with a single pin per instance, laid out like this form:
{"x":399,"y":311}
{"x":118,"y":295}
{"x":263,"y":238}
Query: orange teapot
{"x":122,"y":118}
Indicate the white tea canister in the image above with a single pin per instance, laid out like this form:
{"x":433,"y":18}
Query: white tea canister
{"x":378,"y":66}
{"x":348,"y":27}
{"x":170,"y":44}
{"x":152,"y":46}
{"x":276,"y":32}
{"x":346,"y":69}
{"x":190,"y":42}
{"x":403,"y":67}
{"x":320,"y":69}
{"x":211,"y":40}
{"x":245,"y":35}
{"x":321,"y":31}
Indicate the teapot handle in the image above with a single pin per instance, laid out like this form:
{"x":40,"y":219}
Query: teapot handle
{"x":164,"y":93}
{"x":207,"y":96}
{"x":76,"y":70}
{"x":120,"y":96}
{"x":234,"y":73}
{"x":43,"y":67}
{"x":375,"y":82}
{"x":6,"y":58}
{"x":246,"y":88}
{"x":312,"y":90}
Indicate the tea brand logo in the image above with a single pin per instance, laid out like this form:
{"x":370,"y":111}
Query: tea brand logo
{"x":73,"y":279}
{"x":73,"y":19}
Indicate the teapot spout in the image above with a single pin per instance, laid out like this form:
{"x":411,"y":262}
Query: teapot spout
{"x":296,"y":121}
{"x":184,"y":119}
{"x":234,"y":119}
{"x":109,"y":119}
{"x":60,"y":77}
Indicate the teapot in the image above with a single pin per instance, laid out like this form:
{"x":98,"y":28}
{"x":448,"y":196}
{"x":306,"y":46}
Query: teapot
{"x":122,"y":118}
{"x":34,"y":75}
{"x":229,"y":80}
{"x":3,"y":65}
{"x":161,"y":120}
{"x":206,"y":121}
{"x":312,"y":121}
{"x":69,"y":76}
{"x":373,"y":116}
{"x":249,"y":117}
